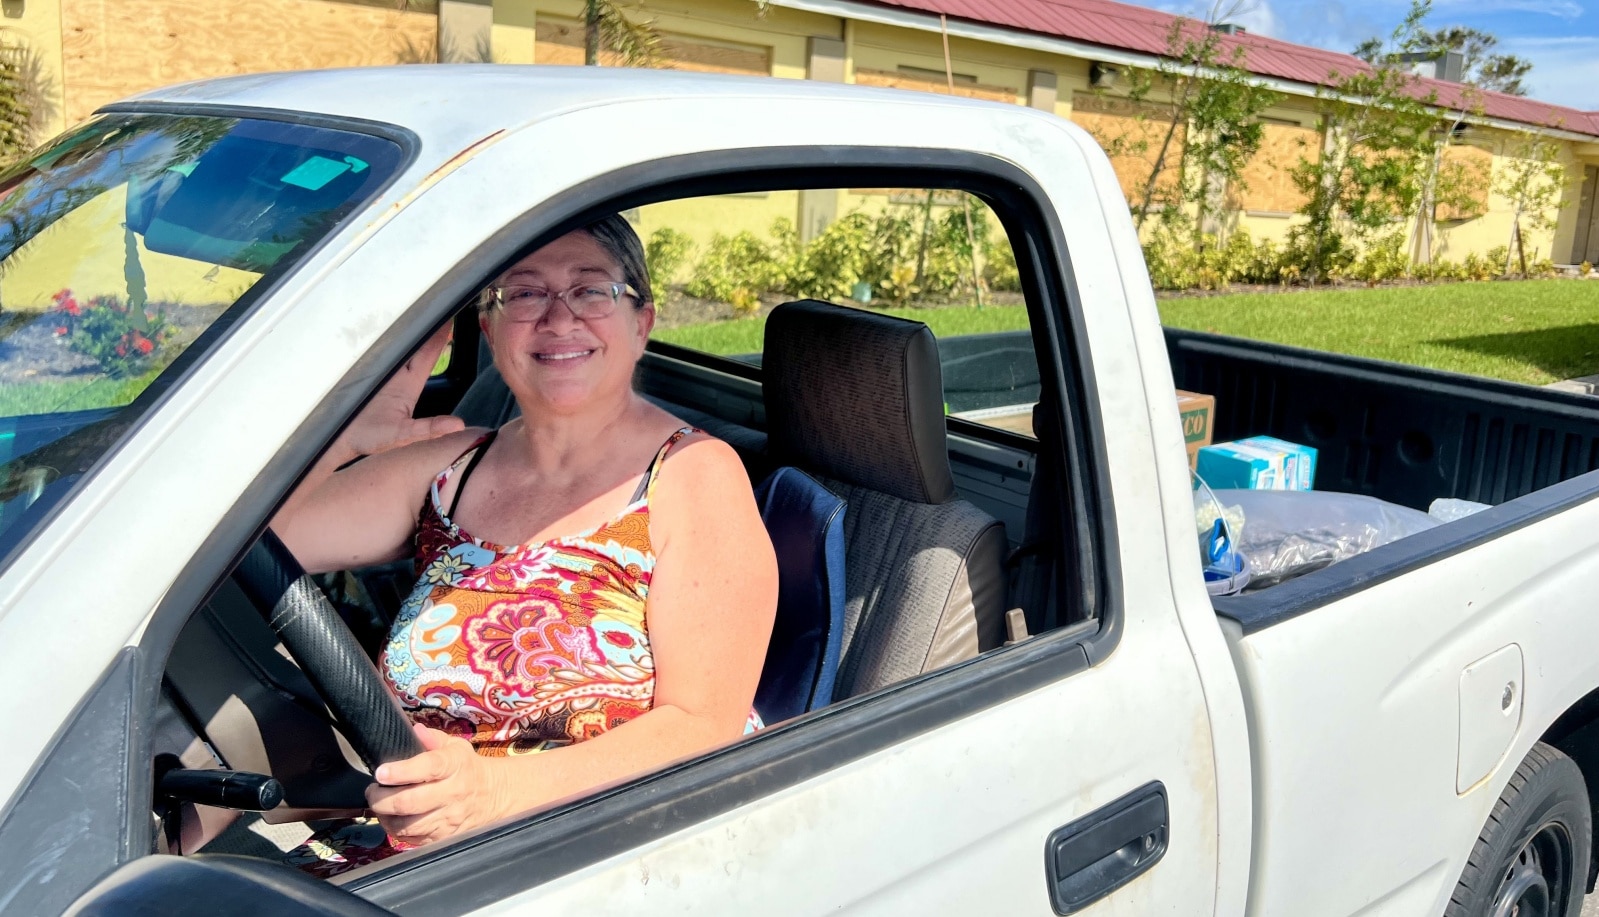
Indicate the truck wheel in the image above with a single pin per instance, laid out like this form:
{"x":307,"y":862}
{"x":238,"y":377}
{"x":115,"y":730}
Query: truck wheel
{"x":1531,"y":859}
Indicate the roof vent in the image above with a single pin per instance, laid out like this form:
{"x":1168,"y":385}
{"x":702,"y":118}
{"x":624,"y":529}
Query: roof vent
{"x":1440,"y":65}
{"x":1228,"y":28}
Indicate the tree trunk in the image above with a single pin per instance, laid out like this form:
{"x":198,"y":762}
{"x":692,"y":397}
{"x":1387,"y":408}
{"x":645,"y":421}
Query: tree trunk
{"x":927,"y":228}
{"x":1178,"y":107}
{"x":591,"y":32}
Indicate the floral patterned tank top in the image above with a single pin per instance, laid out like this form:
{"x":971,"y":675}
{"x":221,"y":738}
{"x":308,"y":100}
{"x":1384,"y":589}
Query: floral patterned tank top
{"x":524,"y":648}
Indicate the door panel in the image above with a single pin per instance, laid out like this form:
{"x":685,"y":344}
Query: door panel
{"x":952,"y":821}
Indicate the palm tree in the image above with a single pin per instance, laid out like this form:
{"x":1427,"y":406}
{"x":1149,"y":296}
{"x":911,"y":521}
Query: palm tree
{"x":605,"y":25}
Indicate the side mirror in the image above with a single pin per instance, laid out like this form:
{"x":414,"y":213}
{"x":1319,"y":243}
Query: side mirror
{"x":194,"y":886}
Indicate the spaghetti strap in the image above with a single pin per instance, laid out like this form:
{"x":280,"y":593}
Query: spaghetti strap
{"x":477,"y":450}
{"x":646,"y":486}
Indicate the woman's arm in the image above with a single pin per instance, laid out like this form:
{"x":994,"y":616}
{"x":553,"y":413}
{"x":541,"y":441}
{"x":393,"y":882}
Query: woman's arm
{"x":366,"y":513}
{"x":712,"y":599}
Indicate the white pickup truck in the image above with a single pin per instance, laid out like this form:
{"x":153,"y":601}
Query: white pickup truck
{"x":202,"y":284}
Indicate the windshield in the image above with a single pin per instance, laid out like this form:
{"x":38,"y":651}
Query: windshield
{"x":120,"y":244}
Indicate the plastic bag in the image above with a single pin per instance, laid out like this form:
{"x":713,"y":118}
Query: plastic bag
{"x":1226,"y":571}
{"x":1448,"y":509}
{"x":1288,"y":533}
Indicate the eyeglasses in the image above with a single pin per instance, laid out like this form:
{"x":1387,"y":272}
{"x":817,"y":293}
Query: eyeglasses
{"x":521,"y":303}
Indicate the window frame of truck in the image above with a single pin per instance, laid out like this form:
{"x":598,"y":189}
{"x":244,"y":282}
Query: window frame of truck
{"x":609,"y":831}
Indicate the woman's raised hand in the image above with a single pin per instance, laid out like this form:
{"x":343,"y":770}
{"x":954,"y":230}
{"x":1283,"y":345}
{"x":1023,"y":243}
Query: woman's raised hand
{"x":387,"y":421}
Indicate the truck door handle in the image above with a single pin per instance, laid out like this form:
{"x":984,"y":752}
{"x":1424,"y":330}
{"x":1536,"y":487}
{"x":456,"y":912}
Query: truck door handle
{"x":1104,"y":850}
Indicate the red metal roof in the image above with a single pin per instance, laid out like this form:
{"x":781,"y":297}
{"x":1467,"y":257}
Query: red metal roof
{"x":1135,"y":28}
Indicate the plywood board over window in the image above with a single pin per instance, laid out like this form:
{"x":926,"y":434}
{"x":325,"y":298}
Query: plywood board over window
{"x":1470,"y":170}
{"x":561,"y":41}
{"x":921,"y":80}
{"x":1133,"y":134}
{"x":113,"y":48}
{"x":1267,"y":178}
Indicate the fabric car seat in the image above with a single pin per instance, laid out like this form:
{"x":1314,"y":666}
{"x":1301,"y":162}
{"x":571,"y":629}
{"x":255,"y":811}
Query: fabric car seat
{"x":856,"y":398}
{"x":806,"y":523}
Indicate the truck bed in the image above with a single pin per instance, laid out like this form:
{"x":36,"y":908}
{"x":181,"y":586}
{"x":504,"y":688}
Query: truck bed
{"x":1399,"y":433}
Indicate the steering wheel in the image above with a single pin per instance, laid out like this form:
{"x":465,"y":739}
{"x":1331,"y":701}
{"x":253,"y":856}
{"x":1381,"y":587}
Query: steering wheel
{"x":321,"y":644}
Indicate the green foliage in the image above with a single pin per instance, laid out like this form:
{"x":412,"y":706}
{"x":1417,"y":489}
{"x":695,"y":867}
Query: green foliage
{"x":740,"y":262}
{"x":16,"y":90}
{"x":1496,"y":72}
{"x":1375,"y":169}
{"x":605,"y":25}
{"x":1383,"y":260}
{"x":1217,"y":103}
{"x":125,"y":341}
{"x":1480,"y":267}
{"x":666,"y":252}
{"x":833,"y":262}
{"x":1532,"y":180}
{"x":902,"y":254}
{"x":1174,"y":265}
{"x":999,"y":267}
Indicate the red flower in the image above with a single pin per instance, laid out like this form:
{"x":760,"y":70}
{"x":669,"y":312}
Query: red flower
{"x":61,"y":331}
{"x":142,"y":344}
{"x":70,"y":306}
{"x":59,"y":295}
{"x":122,"y":350}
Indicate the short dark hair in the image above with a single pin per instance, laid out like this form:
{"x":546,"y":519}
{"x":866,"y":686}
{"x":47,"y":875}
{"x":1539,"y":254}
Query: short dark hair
{"x":615,"y":234}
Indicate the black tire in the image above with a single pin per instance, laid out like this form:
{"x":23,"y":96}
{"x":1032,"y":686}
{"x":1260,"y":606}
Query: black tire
{"x":1531,"y":859}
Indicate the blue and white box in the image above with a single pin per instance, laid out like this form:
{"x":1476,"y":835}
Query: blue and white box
{"x":1258,"y":463}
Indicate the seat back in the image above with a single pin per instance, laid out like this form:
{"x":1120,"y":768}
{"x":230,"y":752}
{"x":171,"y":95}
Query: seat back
{"x":806,"y":523}
{"x":856,"y":398}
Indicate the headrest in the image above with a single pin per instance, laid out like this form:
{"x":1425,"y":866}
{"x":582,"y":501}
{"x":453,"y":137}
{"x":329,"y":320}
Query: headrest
{"x":857,"y":397}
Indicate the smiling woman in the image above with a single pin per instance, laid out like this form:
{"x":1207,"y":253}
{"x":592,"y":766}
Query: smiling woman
{"x":604,"y":587}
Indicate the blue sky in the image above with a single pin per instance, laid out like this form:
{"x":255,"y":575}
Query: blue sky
{"x":1560,"y":37}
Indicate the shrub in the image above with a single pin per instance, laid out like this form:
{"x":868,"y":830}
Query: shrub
{"x":666,"y":253}
{"x":900,"y":286}
{"x":1438,"y":269}
{"x":745,"y":302}
{"x":833,"y":262}
{"x":1332,"y":253}
{"x":1585,"y":268}
{"x":734,"y":263}
{"x":1384,"y":260}
{"x":1477,"y":267}
{"x":999,"y":268}
{"x":124,"y":341}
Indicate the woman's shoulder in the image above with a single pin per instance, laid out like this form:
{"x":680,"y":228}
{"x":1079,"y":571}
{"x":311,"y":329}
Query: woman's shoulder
{"x":702,"y":473}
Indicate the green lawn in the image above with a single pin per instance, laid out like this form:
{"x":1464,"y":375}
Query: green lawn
{"x":60,"y":397}
{"x":1533,"y":331}
{"x":743,"y":335}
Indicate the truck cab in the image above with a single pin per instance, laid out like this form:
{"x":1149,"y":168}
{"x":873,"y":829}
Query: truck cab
{"x":1334,"y":744}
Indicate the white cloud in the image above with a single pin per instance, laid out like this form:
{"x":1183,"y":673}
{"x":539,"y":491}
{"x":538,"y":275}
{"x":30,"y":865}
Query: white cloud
{"x":1562,"y":9}
{"x":1562,"y":68}
{"x":1258,"y":17}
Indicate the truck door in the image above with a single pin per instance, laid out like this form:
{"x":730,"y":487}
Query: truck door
{"x":1073,"y":771}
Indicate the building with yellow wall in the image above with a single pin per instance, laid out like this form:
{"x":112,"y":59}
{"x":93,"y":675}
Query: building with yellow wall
{"x":84,"y":53}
